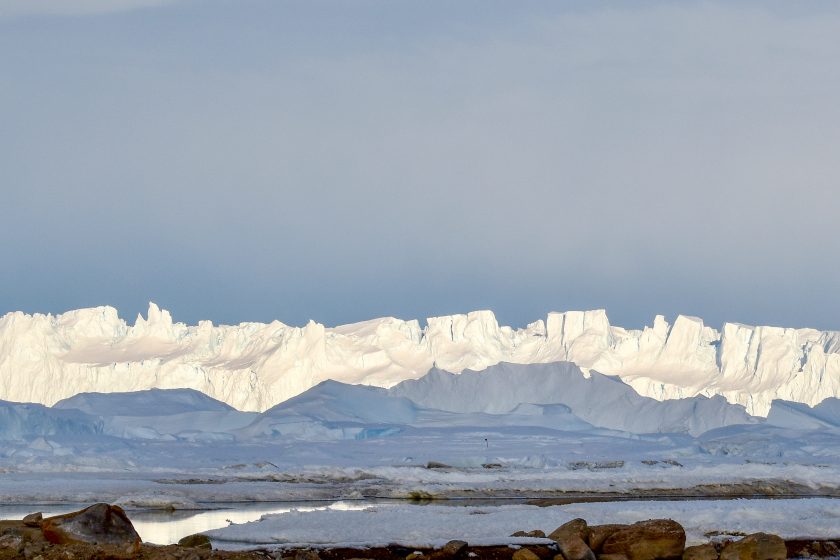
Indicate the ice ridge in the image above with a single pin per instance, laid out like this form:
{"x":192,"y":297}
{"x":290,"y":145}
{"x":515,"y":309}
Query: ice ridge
{"x":253,"y":366}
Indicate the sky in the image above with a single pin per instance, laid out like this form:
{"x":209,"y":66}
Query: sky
{"x":251,"y":160}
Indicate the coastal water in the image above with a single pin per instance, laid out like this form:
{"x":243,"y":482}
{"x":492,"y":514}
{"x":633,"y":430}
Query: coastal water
{"x":167,"y":527}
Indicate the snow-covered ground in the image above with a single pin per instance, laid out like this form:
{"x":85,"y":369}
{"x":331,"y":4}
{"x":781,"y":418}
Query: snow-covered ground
{"x":254,"y":366}
{"x":512,"y":431}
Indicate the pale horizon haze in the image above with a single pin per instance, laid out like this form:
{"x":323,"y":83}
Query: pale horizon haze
{"x":253,"y":160}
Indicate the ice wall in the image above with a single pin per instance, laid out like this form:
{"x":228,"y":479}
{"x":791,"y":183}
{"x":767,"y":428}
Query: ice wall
{"x":253,"y":366}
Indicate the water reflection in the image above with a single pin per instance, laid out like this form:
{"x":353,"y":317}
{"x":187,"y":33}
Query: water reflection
{"x":167,"y":527}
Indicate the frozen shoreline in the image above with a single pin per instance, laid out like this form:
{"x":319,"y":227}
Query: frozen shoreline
{"x":346,"y":525}
{"x":334,"y":524}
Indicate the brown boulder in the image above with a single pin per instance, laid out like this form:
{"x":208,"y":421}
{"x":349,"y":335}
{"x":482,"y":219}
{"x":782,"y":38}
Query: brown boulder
{"x":599,"y":533}
{"x":575,"y":548}
{"x":452,"y":549}
{"x":701,"y":552}
{"x":575,"y":527}
{"x":571,"y":539}
{"x":307,"y":554}
{"x":13,"y":542}
{"x":535,"y":534}
{"x":611,"y":557}
{"x":656,"y":539}
{"x":525,"y":554}
{"x":33,"y":519}
{"x":17,"y":528}
{"x":813,"y":549}
{"x":97,"y":524}
{"x":196,"y":541}
{"x":758,"y":546}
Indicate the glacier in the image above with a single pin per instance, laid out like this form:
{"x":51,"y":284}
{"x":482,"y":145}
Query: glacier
{"x":45,"y":358}
{"x":526,"y":430}
{"x":512,"y":430}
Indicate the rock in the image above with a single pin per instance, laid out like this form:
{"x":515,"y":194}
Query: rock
{"x":611,"y":557}
{"x":414,"y":556}
{"x":525,"y":554}
{"x":656,"y":539}
{"x":571,"y":538}
{"x":701,"y":552}
{"x":196,"y":541}
{"x":576,"y":527}
{"x":32,"y":550}
{"x":12,"y":542}
{"x":758,"y":546}
{"x":535,"y":534}
{"x":33,"y":519}
{"x":599,"y":533}
{"x":574,"y":548}
{"x":437,"y":465}
{"x":821,"y":549}
{"x":307,"y":554}
{"x":97,"y":524}
{"x":452,"y":549}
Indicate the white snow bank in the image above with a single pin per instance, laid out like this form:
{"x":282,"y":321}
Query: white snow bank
{"x":333,"y":410}
{"x":380,"y":525}
{"x":801,"y":416}
{"x":152,"y":402}
{"x":600,"y":400}
{"x":156,"y":500}
{"x":435,"y":525}
{"x":32,"y":422}
{"x":161,"y":415}
{"x":333,"y":401}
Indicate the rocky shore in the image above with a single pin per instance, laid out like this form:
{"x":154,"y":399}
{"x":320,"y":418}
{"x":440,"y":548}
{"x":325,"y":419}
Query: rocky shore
{"x":104,"y":531}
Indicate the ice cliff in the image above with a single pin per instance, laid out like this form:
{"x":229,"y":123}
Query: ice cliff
{"x":253,"y":366}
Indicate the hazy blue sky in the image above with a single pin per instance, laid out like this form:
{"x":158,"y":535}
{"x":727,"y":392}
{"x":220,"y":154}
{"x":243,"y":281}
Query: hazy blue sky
{"x":251,"y":160}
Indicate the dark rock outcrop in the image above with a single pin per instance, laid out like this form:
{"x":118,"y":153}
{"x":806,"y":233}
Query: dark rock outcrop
{"x":656,"y":539}
{"x":524,"y":554}
{"x":758,"y":546}
{"x":599,"y":533}
{"x":701,"y":552}
{"x":97,"y":524}
{"x":452,"y":549}
{"x":196,"y":541}
{"x":571,"y":539}
{"x":33,"y":519}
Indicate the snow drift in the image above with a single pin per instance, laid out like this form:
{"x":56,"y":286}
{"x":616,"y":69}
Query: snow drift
{"x":545,"y":396}
{"x":600,"y":400}
{"x":825,"y":415}
{"x":253,"y":366}
{"x":158,"y":414}
{"x":27,"y":421}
